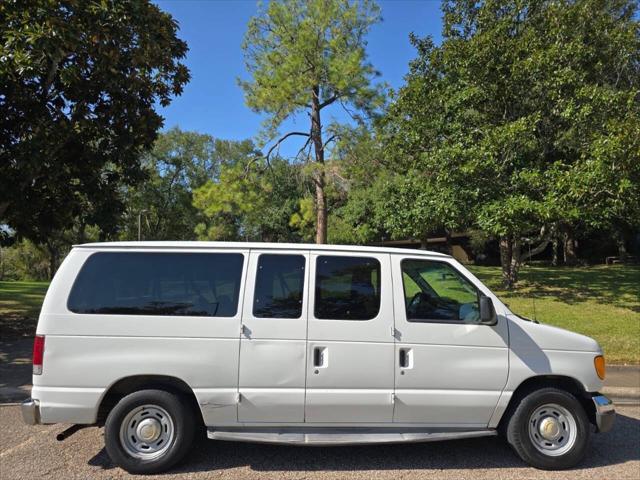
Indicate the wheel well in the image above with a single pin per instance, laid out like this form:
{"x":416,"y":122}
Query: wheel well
{"x":568,"y":384}
{"x":125,"y":386}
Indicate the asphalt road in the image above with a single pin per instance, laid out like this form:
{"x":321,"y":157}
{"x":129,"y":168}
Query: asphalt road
{"x":33,"y":452}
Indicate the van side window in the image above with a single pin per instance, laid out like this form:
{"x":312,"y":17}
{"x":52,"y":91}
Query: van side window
{"x":347,"y":288}
{"x":158,"y":283}
{"x":279,"y":286}
{"x":437,"y":292}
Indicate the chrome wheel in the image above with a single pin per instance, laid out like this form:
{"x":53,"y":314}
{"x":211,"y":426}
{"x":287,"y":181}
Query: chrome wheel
{"x":552,"y":429}
{"x":147,"y":432}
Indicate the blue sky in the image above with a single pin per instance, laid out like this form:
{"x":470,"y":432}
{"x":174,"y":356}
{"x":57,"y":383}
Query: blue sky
{"x":213,"y":103}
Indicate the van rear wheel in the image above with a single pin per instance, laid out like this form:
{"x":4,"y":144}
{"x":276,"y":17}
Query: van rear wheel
{"x":149,"y":431}
{"x":549,"y":429}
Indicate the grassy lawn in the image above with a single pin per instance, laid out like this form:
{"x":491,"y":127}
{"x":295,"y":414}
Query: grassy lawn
{"x":20,"y":304}
{"x":602,"y":302}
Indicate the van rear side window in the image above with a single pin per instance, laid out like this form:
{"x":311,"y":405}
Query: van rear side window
{"x":347,"y":288}
{"x":168,"y":284}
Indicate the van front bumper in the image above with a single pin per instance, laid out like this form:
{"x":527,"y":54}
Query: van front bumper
{"x":31,"y":411}
{"x":605,"y":412}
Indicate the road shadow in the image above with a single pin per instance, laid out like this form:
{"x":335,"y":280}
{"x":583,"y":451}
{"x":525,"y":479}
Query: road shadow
{"x":15,"y":369}
{"x":618,"y":446}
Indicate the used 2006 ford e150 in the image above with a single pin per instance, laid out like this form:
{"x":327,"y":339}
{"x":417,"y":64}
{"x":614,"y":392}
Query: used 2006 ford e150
{"x":304,"y":345}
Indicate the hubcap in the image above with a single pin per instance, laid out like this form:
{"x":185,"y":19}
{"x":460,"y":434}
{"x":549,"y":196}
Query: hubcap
{"x":148,"y":429}
{"x":147,"y":432}
{"x":552,"y":429}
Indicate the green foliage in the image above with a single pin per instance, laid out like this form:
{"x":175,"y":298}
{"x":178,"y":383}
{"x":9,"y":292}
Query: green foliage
{"x":304,"y":56}
{"x":526,"y":116}
{"x":303,"y":219}
{"x":179,"y":163}
{"x":295,"y":46}
{"x":24,"y":261}
{"x":79,"y":84}
{"x":246,"y":203}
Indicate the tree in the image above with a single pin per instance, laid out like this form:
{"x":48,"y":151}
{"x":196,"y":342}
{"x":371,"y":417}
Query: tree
{"x":304,"y":56}
{"x":519,"y":122}
{"x":245,"y":203}
{"x":79,"y":83}
{"x":179,"y":163}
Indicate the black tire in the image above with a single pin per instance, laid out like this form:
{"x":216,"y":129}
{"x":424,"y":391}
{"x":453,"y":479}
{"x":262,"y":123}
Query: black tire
{"x":183,"y":423}
{"x":519,"y":437}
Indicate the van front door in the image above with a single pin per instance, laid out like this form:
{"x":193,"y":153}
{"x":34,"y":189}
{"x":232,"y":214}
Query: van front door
{"x":350,"y":344}
{"x":450,"y":370}
{"x":273,"y":338}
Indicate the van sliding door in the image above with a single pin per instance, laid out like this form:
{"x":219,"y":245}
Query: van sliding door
{"x":350,"y":340}
{"x":273,"y":338}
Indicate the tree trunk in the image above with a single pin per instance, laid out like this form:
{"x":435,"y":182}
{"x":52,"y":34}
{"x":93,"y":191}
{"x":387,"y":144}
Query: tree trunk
{"x":53,"y":259}
{"x":448,"y":244}
{"x":569,"y":247}
{"x":622,"y":245}
{"x":510,"y":259}
{"x":554,"y":254}
{"x":318,"y":176}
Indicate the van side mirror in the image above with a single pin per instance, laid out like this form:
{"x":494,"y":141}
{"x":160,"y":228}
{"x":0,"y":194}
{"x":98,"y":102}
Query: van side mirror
{"x":487,"y":312}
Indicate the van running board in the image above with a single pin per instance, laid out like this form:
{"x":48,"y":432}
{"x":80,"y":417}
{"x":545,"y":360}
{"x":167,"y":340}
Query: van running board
{"x":336,"y":436}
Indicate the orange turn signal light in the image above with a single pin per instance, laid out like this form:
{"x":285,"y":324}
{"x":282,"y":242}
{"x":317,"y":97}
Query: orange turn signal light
{"x":600,"y":367}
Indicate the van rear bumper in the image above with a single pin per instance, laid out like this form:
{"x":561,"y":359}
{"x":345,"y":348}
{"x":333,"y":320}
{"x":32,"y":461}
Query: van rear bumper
{"x":31,"y":411}
{"x":605,"y":412}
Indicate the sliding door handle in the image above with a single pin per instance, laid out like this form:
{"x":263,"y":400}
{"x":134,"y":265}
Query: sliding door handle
{"x":320,"y":357}
{"x":405,"y":359}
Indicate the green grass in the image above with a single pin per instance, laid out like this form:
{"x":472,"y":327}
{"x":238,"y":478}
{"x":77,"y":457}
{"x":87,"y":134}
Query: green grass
{"x":602,"y":302}
{"x":20,"y":304}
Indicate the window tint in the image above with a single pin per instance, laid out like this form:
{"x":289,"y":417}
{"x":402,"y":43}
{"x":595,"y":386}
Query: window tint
{"x":435,"y":291}
{"x":347,"y":288}
{"x":279,"y":286}
{"x":132,"y":283}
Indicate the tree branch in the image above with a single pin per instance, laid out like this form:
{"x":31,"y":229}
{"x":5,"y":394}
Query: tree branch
{"x":282,"y":139}
{"x":328,"y":101}
{"x":544,"y":238}
{"x":267,"y":157}
{"x":329,"y":140}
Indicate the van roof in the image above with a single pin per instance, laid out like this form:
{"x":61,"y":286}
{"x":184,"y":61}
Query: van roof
{"x":256,"y":246}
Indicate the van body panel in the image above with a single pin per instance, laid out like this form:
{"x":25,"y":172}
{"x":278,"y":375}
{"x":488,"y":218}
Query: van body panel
{"x":272,"y":356}
{"x":354,"y":382}
{"x":93,"y":364}
{"x":68,"y":405}
{"x":456,"y":371}
{"x":534,"y":351}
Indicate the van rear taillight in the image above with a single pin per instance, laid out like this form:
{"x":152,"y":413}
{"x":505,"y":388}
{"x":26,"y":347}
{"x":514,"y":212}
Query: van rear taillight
{"x":38,"y":354}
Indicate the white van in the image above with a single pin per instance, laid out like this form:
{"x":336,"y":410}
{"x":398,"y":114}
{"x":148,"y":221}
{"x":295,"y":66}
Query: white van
{"x":302,"y":345}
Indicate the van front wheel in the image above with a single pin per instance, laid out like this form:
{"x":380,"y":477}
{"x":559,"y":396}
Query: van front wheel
{"x":149,"y":431}
{"x":549,"y":429}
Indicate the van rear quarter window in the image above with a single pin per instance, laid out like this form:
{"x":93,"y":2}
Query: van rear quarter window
{"x":158,"y":283}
